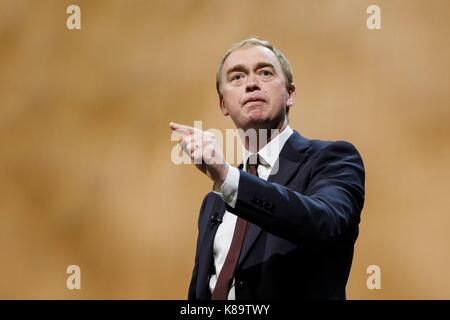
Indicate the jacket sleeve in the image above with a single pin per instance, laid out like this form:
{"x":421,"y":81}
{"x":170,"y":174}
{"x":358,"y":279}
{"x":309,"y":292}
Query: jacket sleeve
{"x":331,"y":202}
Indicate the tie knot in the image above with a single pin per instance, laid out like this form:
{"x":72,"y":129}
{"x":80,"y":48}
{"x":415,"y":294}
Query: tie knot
{"x":252,"y":164}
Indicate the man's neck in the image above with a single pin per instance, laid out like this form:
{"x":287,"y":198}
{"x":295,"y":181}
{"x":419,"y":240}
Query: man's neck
{"x":255,"y":142}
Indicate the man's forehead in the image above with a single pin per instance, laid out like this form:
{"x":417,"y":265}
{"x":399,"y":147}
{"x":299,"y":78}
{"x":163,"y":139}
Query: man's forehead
{"x":250,"y":56}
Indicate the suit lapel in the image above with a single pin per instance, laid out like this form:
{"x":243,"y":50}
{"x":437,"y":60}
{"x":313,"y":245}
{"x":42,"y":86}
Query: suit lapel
{"x":206,"y":252}
{"x":218,"y":209}
{"x":291,"y":157}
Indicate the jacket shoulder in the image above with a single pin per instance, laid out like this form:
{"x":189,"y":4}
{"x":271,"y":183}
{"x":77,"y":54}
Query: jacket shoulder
{"x":326,"y":145}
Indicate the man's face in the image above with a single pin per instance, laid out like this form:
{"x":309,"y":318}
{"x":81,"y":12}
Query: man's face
{"x":253,"y":89}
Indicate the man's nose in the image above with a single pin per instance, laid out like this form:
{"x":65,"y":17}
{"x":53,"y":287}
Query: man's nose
{"x":252,"y":84}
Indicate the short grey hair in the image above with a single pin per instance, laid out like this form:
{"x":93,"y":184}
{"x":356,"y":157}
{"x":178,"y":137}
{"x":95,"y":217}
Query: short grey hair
{"x":285,"y":65}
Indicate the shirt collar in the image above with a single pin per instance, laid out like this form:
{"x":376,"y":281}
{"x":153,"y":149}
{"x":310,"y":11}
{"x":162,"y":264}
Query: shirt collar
{"x":271,"y":151}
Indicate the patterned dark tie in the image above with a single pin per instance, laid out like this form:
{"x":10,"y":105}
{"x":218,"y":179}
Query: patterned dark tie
{"x":227,"y":273}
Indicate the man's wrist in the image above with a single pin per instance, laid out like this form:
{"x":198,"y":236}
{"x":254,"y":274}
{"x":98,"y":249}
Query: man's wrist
{"x":221,"y":178}
{"x":229,"y":188}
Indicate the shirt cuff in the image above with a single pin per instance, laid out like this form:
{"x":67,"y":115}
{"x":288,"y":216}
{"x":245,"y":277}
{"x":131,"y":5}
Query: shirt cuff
{"x":228,"y":190}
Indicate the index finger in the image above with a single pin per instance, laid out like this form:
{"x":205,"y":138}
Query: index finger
{"x":177,"y":126}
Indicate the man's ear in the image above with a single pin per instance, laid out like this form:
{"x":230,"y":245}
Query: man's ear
{"x":291,"y":99}
{"x":222,"y":106}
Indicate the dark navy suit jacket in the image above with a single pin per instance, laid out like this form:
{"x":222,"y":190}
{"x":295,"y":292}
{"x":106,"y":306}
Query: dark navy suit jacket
{"x":304,"y":223}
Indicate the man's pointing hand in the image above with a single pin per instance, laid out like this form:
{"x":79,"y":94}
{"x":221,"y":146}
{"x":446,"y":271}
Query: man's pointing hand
{"x":203,"y":149}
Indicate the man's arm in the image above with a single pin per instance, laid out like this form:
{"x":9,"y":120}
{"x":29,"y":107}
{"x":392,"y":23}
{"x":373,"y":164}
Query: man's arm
{"x":332,"y":201}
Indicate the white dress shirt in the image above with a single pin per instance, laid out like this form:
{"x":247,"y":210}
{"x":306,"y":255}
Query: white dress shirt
{"x":228,"y":191}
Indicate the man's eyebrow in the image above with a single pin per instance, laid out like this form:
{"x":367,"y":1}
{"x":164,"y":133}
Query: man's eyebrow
{"x":241,"y":67}
{"x":260,"y":65}
{"x":236,"y":68}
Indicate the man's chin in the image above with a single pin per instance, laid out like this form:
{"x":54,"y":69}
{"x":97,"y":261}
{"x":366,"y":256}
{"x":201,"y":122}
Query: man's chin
{"x":258,"y":123}
{"x":256,"y":116}
{"x":261,"y":121}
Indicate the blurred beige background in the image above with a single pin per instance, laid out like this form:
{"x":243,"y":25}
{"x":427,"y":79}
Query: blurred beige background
{"x":85,"y":170}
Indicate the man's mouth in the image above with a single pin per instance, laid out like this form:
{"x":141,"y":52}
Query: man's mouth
{"x":253,"y":100}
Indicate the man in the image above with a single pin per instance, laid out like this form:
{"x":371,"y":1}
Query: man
{"x":282,"y":225}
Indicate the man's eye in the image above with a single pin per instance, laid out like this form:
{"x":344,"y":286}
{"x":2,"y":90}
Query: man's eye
{"x":236,"y":77}
{"x":266,"y":73}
